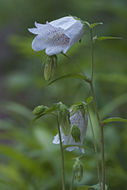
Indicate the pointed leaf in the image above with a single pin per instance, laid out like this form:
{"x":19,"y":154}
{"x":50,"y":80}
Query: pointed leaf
{"x":77,"y":76}
{"x":95,"y":24}
{"x":107,"y":38}
{"x":114,"y":119}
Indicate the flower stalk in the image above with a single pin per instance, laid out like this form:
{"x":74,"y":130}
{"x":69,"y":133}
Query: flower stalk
{"x":95,"y":148}
{"x":62,"y":155}
{"x":96,"y":110}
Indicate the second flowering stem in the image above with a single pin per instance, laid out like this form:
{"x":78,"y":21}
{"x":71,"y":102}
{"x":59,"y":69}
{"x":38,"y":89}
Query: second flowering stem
{"x":62,"y":155}
{"x":96,"y":109}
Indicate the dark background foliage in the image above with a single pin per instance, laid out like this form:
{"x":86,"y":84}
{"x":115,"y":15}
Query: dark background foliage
{"x":28,"y":160}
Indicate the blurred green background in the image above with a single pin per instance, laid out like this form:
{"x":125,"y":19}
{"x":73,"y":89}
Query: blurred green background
{"x":28,"y":160}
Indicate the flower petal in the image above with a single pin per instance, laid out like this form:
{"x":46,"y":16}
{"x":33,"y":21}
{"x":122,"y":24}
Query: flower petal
{"x":81,"y":122}
{"x":50,"y":38}
{"x":64,"y":23}
{"x":75,"y":32}
{"x":42,"y":29}
{"x":53,"y":50}
{"x":56,"y":138}
{"x":38,"y":25}
{"x":39,"y":43}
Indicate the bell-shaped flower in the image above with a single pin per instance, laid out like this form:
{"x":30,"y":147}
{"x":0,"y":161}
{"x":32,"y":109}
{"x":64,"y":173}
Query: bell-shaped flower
{"x":79,"y":120}
{"x":57,"y":36}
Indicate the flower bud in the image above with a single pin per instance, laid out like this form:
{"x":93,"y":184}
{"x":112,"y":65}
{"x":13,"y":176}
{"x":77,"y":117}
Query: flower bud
{"x":39,"y":110}
{"x":78,"y":169}
{"x":50,"y":67}
{"x":75,"y":132}
{"x":63,"y":116}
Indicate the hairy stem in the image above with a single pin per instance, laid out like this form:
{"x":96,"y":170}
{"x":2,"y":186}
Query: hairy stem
{"x":95,"y":148}
{"x":72,"y":182}
{"x":62,"y":156}
{"x":102,"y":136}
{"x":96,"y":110}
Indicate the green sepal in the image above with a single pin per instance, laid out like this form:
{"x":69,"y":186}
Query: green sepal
{"x":75,"y":133}
{"x":49,"y":110}
{"x":64,"y":117}
{"x":50,"y":67}
{"x":78,"y":106}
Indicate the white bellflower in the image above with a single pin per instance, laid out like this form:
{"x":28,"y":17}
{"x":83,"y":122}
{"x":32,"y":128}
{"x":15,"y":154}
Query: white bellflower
{"x":81,"y":122}
{"x":57,"y":36}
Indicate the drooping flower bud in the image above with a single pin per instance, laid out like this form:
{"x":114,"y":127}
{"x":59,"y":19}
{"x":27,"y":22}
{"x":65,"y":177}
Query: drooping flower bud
{"x":39,"y":110}
{"x":75,"y":132}
{"x":78,"y":169}
{"x":63,"y":115}
{"x":49,"y":67}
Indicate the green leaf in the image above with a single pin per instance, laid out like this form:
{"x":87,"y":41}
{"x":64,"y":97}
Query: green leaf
{"x":97,"y":187}
{"x":85,"y":187}
{"x":87,"y":23}
{"x":16,"y":109}
{"x":92,"y":25}
{"x":107,"y":38}
{"x":94,"y":187}
{"x":113,"y":104}
{"x":77,"y":76}
{"x":95,"y":24}
{"x":114,"y":119}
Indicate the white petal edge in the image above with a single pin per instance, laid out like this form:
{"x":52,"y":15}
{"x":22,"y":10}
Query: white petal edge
{"x":64,"y":23}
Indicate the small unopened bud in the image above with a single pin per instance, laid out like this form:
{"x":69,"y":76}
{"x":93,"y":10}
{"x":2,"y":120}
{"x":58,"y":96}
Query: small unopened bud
{"x":75,"y":132}
{"x":39,"y":110}
{"x":78,"y":169}
{"x":63,"y":116}
{"x":49,"y":68}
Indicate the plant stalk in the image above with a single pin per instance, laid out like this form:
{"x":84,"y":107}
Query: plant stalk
{"x":72,"y":182}
{"x":95,"y":148}
{"x":96,"y":110}
{"x":62,"y":156}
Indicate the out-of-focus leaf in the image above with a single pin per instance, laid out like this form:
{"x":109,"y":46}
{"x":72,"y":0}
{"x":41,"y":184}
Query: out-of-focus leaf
{"x":23,"y":45}
{"x":114,"y":119}
{"x":27,"y":163}
{"x":112,"y":77}
{"x":16,"y":108}
{"x":97,"y":187}
{"x":12,"y":176}
{"x":115,"y":103}
{"x":85,"y":187}
{"x":93,"y":187}
{"x":6,"y":124}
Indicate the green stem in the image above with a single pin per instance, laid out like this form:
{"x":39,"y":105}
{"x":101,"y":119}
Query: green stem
{"x":96,"y":110}
{"x":95,"y":148}
{"x":62,"y":156}
{"x":72,"y":182}
{"x":102,"y":136}
{"x":92,"y":53}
